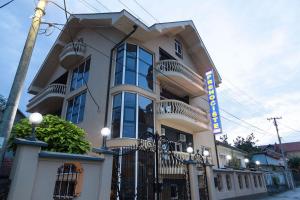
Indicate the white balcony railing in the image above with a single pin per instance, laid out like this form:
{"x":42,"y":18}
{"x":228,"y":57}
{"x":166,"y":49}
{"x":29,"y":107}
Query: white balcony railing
{"x":70,"y":52}
{"x":173,"y":66}
{"x":53,"y":90}
{"x":180,"y":108}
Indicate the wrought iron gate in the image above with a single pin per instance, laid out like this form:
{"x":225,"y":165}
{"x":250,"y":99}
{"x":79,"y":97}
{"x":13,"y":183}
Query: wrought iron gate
{"x":134,"y":175}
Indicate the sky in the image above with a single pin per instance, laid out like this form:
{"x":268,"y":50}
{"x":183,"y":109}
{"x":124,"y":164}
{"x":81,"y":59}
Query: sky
{"x":255,"y":46}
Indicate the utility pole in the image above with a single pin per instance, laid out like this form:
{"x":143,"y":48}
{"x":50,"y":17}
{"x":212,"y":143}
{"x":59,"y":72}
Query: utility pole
{"x":274,"y":119}
{"x":17,"y":86}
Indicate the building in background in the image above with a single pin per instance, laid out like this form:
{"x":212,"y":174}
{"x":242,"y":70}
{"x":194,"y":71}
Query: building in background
{"x":229,"y":155}
{"x":19,"y":115}
{"x":102,"y":71}
{"x":291,"y":149}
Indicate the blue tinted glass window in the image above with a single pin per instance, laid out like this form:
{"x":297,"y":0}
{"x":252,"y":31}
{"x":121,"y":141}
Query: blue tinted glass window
{"x":119,"y":65}
{"x":145,"y":78}
{"x":130,"y":66}
{"x":75,"y":109}
{"x":145,"y":115}
{"x":80,"y":75}
{"x":129,"y":119}
{"x":116,"y":115}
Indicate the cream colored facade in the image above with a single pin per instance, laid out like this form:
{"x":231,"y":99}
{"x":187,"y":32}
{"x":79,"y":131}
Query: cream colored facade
{"x":100,"y":33}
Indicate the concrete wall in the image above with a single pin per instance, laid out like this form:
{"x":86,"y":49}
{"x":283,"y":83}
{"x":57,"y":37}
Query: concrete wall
{"x":34,"y":173}
{"x":235,"y":191}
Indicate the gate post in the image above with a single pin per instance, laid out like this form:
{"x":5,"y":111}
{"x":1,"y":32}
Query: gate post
{"x":210,"y":182}
{"x":106,"y":172}
{"x":194,"y":185}
{"x":24,"y":168}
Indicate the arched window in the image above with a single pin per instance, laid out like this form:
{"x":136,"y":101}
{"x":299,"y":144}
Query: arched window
{"x":255,"y":181}
{"x":246,"y":181}
{"x":259,"y":180}
{"x":228,"y":182}
{"x":68,"y":181}
{"x":240,"y":181}
{"x":219,"y":182}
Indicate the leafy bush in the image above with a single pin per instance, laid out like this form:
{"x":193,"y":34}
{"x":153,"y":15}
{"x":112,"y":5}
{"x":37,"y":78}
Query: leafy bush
{"x":59,"y":134}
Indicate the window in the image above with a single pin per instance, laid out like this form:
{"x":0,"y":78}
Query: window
{"x":255,"y":180}
{"x":219,"y":184}
{"x":119,"y":65}
{"x":246,"y":181}
{"x":67,"y":178}
{"x":130,"y":64}
{"x":116,"y":116}
{"x":145,"y":115}
{"x":134,"y":112}
{"x":145,"y":70}
{"x":129,"y":119}
{"x":178,"y":48}
{"x":137,"y":66}
{"x":259,"y":181}
{"x":75,"y":109}
{"x":240,"y":180}
{"x":80,"y":74}
{"x":228,"y":182}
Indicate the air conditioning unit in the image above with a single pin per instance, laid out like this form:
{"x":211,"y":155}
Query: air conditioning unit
{"x":182,"y":138}
{"x":163,"y":131}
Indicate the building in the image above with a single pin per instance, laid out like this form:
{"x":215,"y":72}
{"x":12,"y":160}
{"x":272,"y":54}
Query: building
{"x":228,"y":153}
{"x":291,"y":149}
{"x":19,"y":115}
{"x":111,"y":70}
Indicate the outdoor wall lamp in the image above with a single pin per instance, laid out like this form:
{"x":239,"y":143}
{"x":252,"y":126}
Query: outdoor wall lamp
{"x":206,"y":154}
{"x":190,"y":150}
{"x":228,"y":157}
{"x":34,"y":119}
{"x":257,"y":162}
{"x":246,"y":160}
{"x":105,"y":132}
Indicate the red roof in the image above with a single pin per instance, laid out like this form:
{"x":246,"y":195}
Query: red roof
{"x":290,"y":147}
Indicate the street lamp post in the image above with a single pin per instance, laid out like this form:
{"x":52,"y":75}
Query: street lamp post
{"x":105,"y":132}
{"x":257,"y":163}
{"x":34,"y":119}
{"x":190,"y":150}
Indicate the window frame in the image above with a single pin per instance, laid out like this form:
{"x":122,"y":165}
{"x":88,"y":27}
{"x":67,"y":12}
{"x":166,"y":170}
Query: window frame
{"x":178,"y":47}
{"x":84,"y":78}
{"x":137,"y":95}
{"x":79,"y":119}
{"x":138,"y":47}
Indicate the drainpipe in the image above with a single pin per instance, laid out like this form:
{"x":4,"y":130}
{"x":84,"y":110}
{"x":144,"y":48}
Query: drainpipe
{"x":110,"y":67}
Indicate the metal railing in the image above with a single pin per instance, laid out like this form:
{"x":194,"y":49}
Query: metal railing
{"x":79,"y":48}
{"x":180,"y":108}
{"x":175,"y":66}
{"x":58,"y":89}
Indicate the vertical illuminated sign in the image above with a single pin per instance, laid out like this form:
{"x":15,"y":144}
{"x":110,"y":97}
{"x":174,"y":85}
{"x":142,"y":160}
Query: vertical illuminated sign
{"x":213,"y":103}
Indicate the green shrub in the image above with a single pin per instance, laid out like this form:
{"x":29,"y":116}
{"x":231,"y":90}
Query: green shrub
{"x":59,"y":134}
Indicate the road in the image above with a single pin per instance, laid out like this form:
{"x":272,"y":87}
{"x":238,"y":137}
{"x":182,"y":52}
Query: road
{"x":289,"y":195}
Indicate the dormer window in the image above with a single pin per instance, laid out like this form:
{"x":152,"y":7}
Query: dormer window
{"x":178,"y":48}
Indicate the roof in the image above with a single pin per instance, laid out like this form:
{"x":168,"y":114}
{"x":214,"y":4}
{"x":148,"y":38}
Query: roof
{"x":287,"y":147}
{"x":123,"y":21}
{"x":230,"y":147}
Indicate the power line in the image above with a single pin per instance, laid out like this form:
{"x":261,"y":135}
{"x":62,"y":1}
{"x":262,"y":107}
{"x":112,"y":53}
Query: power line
{"x":6,"y":4}
{"x":83,"y":78}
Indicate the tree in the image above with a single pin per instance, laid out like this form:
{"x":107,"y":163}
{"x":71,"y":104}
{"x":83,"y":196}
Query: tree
{"x":247,"y":144}
{"x":294,"y":163}
{"x":224,"y":139}
{"x":59,"y":134}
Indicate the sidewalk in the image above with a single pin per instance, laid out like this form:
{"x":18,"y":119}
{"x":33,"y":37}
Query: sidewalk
{"x":288,"y":195}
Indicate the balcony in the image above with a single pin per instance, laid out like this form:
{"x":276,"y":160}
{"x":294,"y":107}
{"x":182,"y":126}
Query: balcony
{"x":71,"y":54}
{"x":49,"y":100}
{"x":173,"y":112}
{"x":180,"y":79}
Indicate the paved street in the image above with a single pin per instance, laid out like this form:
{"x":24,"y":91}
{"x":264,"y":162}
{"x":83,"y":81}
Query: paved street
{"x":289,"y":195}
